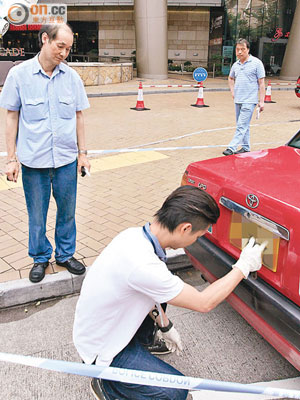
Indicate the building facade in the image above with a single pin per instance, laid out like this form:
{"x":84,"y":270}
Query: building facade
{"x":265,"y":23}
{"x":202,"y":33}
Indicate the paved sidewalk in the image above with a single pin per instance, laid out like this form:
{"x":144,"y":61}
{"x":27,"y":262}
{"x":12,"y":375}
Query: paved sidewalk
{"x":125,"y":189}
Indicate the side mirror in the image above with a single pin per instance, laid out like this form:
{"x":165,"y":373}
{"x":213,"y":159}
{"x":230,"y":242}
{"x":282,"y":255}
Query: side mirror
{"x":4,"y":25}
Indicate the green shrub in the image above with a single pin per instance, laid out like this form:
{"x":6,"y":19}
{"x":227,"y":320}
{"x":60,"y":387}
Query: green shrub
{"x":133,"y":58}
{"x":174,"y":67}
{"x":189,"y":69}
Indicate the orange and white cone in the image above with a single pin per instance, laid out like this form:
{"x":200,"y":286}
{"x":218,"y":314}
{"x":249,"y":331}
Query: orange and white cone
{"x":200,"y":101}
{"x":268,"y":94}
{"x":140,"y":100}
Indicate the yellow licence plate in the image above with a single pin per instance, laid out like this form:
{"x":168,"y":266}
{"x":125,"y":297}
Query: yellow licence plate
{"x":241,"y":229}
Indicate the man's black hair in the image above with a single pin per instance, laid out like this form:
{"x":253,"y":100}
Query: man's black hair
{"x":51,"y":30}
{"x":188,"y":204}
{"x":243,"y":41}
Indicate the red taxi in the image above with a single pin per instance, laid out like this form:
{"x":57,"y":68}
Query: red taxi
{"x":297,"y":88}
{"x":259,"y":195}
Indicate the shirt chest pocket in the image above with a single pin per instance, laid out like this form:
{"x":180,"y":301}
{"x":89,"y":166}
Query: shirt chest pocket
{"x":35,"y":108}
{"x":66,"y":107}
{"x":251,"y":75}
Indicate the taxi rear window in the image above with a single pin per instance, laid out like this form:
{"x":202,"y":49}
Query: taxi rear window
{"x":295,"y":141}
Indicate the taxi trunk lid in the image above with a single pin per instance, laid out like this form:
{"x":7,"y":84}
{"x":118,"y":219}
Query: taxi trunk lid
{"x":258,"y":195}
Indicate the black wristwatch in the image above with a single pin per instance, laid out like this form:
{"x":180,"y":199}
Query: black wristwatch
{"x":165,"y":329}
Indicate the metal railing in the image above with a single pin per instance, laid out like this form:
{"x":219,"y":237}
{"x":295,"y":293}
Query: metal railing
{"x":99,"y":58}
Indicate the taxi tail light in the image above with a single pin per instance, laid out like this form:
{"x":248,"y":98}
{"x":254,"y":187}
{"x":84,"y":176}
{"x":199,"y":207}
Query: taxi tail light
{"x":184,"y":179}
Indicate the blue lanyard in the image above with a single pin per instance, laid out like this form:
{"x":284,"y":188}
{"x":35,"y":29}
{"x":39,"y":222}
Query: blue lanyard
{"x":162,"y":256}
{"x":150,"y":239}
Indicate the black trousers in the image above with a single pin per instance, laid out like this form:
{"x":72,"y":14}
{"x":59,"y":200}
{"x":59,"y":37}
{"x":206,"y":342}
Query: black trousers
{"x":146,"y":332}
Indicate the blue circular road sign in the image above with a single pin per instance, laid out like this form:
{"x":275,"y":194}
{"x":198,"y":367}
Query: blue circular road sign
{"x":200,"y":74}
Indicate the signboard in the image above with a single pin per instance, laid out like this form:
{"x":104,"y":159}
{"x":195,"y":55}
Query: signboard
{"x":30,"y":27}
{"x":216,"y":42}
{"x":216,"y":23}
{"x":227,"y":59}
{"x":12,"y":52}
{"x":200,"y":74}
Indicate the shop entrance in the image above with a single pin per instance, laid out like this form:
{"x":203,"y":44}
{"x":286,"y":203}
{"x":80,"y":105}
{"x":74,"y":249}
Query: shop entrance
{"x":271,"y":53}
{"x":85,"y":46}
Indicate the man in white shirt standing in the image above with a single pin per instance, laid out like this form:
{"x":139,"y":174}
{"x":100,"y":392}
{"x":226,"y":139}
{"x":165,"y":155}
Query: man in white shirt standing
{"x":129,"y":281}
{"x":246,"y":79}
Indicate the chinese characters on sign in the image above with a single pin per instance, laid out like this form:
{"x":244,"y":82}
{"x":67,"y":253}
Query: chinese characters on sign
{"x":19,"y":14}
{"x":278,"y":34}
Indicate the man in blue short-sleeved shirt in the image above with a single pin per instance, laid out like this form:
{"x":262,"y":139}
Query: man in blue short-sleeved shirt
{"x":44,"y":99}
{"x":246,"y":79}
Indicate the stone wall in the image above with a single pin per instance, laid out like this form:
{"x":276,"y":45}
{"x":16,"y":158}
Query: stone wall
{"x":188,"y":35}
{"x":93,"y":74}
{"x":116,"y":33}
{"x":188,"y":31}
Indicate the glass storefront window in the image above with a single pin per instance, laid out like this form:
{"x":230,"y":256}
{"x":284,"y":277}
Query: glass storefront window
{"x":264,"y":23}
{"x":85,"y":47}
{"x":20,"y":43}
{"x":25,"y":37}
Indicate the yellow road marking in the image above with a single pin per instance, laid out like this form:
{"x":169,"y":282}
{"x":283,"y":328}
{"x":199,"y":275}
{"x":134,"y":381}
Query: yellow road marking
{"x":6,"y":185}
{"x":124,"y":160}
{"x":102,"y":164}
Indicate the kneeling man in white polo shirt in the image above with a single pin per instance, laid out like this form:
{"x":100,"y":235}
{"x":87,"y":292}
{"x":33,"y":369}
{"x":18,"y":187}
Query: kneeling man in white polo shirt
{"x":123,"y":296}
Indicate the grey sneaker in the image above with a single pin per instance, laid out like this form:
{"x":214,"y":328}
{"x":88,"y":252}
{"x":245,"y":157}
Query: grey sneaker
{"x":228,"y":152}
{"x":97,"y":389}
{"x":242,"y":151}
{"x":158,"y":347}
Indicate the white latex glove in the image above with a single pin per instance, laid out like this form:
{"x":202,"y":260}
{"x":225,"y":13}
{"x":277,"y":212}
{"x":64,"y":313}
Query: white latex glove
{"x":172,"y":340}
{"x":251,"y":257}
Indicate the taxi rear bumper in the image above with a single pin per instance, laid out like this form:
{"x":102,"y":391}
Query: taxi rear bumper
{"x":273,"y":315}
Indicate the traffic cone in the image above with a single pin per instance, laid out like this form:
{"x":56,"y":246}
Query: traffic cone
{"x":268,"y":94}
{"x":140,"y":100}
{"x":200,"y":101}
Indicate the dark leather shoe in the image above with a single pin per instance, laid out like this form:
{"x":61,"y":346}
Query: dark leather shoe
{"x":37,"y":272}
{"x":240,"y":151}
{"x":97,"y":389}
{"x":228,"y":152}
{"x":73,"y":266}
{"x":158,"y":347}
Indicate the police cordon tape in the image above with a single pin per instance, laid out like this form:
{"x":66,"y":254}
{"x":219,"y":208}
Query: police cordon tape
{"x":136,"y":147}
{"x":145,"y":377}
{"x":283,"y":83}
{"x":198,"y":84}
{"x":168,"y":86}
{"x":210,"y":131}
{"x":132,"y":150}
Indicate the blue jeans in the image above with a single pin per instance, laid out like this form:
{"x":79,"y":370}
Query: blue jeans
{"x":135,"y":356}
{"x":241,"y":137}
{"x":37,"y":183}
